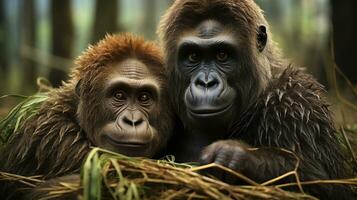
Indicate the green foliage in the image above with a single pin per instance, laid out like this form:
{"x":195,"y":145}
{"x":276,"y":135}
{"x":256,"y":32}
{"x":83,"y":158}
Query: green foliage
{"x":96,"y":165}
{"x":18,"y":115}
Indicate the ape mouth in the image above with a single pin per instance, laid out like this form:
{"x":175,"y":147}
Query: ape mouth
{"x":209,"y":112}
{"x":128,"y":144}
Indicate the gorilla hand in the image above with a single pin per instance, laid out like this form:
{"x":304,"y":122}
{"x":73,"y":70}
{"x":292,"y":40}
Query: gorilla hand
{"x":232,"y":154}
{"x":259,"y":164}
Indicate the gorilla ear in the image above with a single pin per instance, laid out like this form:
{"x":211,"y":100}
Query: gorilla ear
{"x":77,"y":89}
{"x":262,"y":38}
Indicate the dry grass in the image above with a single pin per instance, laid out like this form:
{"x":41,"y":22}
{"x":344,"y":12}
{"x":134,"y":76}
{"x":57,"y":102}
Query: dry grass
{"x":107,"y":175}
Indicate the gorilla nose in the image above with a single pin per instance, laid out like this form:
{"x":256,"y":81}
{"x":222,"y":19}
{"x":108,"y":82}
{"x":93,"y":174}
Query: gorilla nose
{"x":132,"y":121}
{"x":209,"y":81}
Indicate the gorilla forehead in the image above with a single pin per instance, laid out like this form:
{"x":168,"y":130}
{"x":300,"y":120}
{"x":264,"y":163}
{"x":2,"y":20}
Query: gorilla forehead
{"x":134,"y":73}
{"x":209,"y":28}
{"x":132,"y":69}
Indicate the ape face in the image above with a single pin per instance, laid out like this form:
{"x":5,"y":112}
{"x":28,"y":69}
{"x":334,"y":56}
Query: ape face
{"x":121,"y":85}
{"x":207,"y":56}
{"x":131,"y":95}
{"x":128,"y":110}
{"x":211,"y":57}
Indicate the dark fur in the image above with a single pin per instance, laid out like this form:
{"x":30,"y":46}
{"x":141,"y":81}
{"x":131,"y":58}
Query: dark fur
{"x":293,"y":114}
{"x":280,"y":107}
{"x":52,"y":143}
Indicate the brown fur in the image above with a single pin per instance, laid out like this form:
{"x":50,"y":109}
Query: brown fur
{"x":52,"y":143}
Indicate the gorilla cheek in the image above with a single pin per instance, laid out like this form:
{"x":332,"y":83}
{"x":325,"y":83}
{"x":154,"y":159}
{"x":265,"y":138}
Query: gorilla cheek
{"x":189,"y":98}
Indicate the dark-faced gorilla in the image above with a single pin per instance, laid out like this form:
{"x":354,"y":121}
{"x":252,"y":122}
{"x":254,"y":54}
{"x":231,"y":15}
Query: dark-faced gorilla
{"x":116,"y":99}
{"x":240,"y":104}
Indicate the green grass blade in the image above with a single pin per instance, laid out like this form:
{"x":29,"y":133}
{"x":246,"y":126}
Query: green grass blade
{"x":20,"y":113}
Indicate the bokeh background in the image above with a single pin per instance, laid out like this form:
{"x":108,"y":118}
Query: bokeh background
{"x":40,"y":38}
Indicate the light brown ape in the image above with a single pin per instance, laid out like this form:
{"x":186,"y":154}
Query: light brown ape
{"x":115,"y":99}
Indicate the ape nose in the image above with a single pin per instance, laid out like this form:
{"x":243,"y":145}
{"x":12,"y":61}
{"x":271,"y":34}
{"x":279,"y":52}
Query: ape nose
{"x":209,"y":81}
{"x":132,"y":122}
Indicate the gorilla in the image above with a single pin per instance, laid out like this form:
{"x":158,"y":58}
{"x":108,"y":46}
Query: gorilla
{"x":240,"y":104}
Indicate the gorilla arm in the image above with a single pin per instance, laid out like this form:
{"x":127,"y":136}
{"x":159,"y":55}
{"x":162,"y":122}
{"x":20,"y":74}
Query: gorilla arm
{"x":291,"y":115}
{"x":32,"y":150}
{"x":49,"y":143}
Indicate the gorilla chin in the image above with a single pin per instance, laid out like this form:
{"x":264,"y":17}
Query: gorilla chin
{"x":205,"y":105}
{"x":209,"y":111}
{"x":130,"y":142}
{"x":128,"y":148}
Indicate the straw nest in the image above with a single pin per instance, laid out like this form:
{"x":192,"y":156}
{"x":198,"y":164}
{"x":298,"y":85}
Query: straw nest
{"x":107,"y":175}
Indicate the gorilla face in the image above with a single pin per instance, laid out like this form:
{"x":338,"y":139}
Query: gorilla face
{"x":131,"y":95}
{"x":127,"y":110}
{"x":208,"y":56}
{"x":215,"y":60}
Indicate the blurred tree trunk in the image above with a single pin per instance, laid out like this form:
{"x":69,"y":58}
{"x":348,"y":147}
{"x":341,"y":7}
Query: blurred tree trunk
{"x":3,"y":60}
{"x":62,"y":37}
{"x":29,"y":40}
{"x":344,"y":19}
{"x":106,"y":19}
{"x":149,"y":26}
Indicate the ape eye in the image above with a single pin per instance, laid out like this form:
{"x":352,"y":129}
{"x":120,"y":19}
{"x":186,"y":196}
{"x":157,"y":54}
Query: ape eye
{"x":193,"y":57}
{"x":119,"y":95}
{"x":144,"y":98}
{"x":222,"y":56}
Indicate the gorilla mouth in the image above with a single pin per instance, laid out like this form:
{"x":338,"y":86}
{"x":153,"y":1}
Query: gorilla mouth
{"x":209,"y":112}
{"x":129,"y":144}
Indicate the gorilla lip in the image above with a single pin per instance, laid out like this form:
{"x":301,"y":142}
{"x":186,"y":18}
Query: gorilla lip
{"x":209,"y":112}
{"x":133,"y":144}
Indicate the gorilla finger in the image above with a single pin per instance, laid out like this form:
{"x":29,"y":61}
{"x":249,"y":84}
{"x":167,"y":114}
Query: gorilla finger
{"x":236,"y":160}
{"x":223,"y":157}
{"x":208,"y":155}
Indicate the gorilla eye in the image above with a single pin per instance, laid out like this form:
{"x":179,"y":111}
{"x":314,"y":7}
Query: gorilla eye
{"x":119,"y":95}
{"x":144,"y":98}
{"x":193,"y":58}
{"x":222,"y":56}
